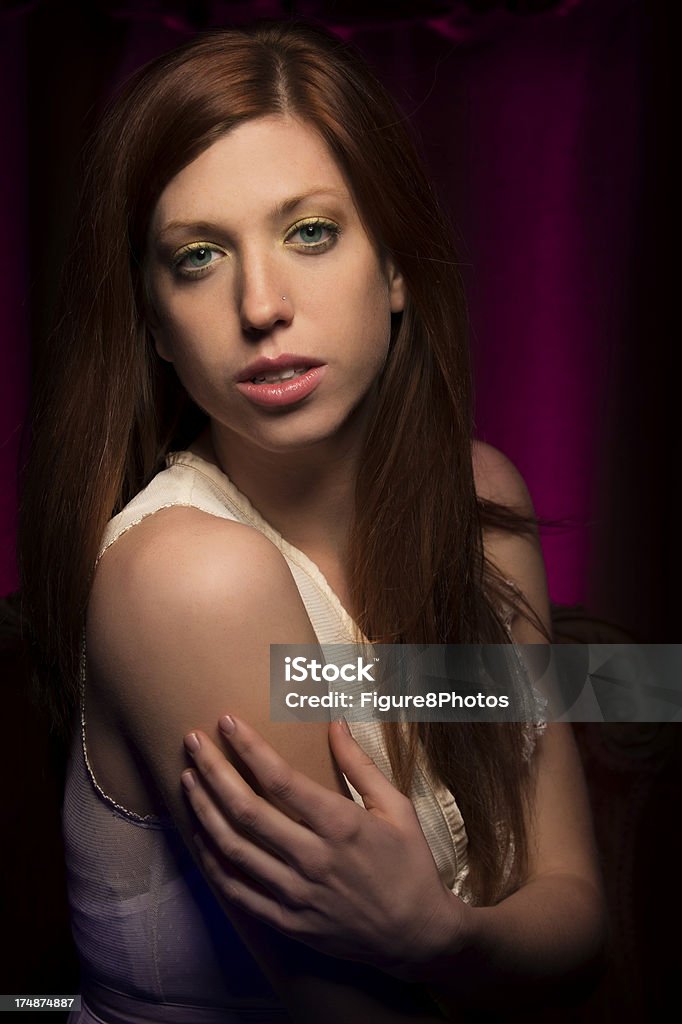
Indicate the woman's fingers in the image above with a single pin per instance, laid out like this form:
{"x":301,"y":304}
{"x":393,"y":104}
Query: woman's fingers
{"x":240,"y":891}
{"x":379,"y":795}
{"x":300,"y":795}
{"x":327,"y":813}
{"x":295,"y":918}
{"x":315,"y":879}
{"x":245,"y":810}
{"x":240,"y":850}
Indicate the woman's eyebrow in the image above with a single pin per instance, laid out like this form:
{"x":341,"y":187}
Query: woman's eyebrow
{"x":289,"y":205}
{"x":281,"y":209}
{"x":194,"y":227}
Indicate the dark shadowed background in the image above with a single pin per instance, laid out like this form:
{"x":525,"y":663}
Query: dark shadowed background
{"x":545,"y":124}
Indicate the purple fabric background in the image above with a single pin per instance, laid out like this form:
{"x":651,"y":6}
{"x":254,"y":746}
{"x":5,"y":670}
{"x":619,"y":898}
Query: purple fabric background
{"x":544,"y":133}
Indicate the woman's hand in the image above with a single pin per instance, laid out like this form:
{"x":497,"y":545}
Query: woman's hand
{"x":355,"y":883}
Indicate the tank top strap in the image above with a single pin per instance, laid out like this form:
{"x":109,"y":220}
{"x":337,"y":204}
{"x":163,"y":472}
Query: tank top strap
{"x":173,"y":486}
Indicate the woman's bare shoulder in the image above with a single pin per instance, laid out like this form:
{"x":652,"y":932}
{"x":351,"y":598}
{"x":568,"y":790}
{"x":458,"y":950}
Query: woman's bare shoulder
{"x":179,"y":587}
{"x":517,"y":555}
{"x":497,"y":479}
{"x":177,"y":547}
{"x":181,"y":617}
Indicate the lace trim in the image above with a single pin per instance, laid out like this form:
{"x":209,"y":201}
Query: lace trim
{"x":145,"y":820}
{"x":135,"y":522}
{"x":538,"y":718}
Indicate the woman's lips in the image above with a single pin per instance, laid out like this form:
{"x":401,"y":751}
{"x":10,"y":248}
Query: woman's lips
{"x":282,"y":392}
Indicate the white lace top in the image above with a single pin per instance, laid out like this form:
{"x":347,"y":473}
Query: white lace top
{"x":147,"y":927}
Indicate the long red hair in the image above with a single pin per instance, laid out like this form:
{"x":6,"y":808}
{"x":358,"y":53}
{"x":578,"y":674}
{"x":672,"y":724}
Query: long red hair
{"x":106,"y":409}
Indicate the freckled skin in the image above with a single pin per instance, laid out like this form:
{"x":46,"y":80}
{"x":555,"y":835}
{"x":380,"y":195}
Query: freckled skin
{"x":269,"y":285}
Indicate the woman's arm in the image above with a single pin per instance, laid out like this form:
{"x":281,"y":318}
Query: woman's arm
{"x":550,"y":931}
{"x":182,"y":612}
{"x":552,"y":928}
{"x":549,"y":935}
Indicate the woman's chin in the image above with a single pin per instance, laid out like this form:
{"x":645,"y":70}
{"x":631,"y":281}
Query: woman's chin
{"x":296,"y":433}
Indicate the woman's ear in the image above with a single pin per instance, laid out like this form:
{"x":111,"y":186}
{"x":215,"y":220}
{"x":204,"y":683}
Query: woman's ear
{"x":153,"y":324}
{"x":161,"y":350}
{"x":156,"y":333}
{"x":396,"y":288}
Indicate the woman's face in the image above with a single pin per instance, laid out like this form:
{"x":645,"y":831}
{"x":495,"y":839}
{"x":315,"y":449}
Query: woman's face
{"x":268,"y":296}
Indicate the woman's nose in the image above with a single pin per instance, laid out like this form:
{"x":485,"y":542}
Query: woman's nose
{"x":263,"y":299}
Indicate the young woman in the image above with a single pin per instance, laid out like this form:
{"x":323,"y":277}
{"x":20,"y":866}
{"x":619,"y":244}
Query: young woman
{"x":256,"y":427}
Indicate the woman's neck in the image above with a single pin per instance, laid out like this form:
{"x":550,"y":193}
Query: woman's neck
{"x":307,"y":496}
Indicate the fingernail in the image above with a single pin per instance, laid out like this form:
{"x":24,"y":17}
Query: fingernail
{"x":192,"y":743}
{"x":344,"y":725}
{"x":227,"y":724}
{"x":188,"y":780}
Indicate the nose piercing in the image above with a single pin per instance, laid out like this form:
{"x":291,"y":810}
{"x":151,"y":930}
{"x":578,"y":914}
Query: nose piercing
{"x":284,"y":298}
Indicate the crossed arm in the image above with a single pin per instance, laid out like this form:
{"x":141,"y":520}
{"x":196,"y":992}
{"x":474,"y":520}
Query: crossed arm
{"x":181,"y":615}
{"x":362,"y":883}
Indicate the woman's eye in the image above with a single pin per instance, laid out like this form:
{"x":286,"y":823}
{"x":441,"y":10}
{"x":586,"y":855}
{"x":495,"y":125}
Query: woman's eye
{"x":318,"y":235}
{"x":192,"y":260}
